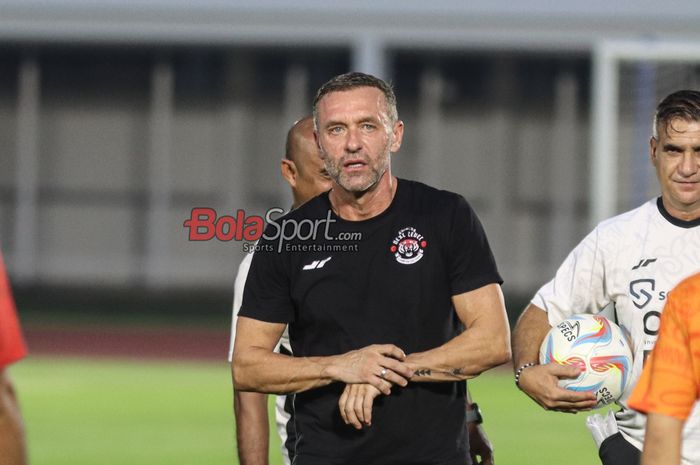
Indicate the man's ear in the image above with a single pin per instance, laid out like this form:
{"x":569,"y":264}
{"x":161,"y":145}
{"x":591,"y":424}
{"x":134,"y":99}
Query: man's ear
{"x":289,"y":172}
{"x":398,"y":137}
{"x":653,"y":146}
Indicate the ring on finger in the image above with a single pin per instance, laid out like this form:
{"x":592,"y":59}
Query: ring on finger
{"x":382,"y":373}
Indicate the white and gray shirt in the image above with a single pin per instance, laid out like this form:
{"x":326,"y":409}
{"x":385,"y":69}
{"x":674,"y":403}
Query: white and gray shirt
{"x":631,"y":261}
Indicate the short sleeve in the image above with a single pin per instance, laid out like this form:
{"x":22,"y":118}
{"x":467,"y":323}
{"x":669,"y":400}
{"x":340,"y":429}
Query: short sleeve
{"x":579,"y":284}
{"x":471,"y":262}
{"x":267,"y":293}
{"x":667,"y":385}
{"x":12,"y":345}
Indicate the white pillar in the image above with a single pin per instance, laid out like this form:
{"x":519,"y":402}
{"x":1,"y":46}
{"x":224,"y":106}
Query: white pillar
{"x":297,"y":104}
{"x":27,"y":180}
{"x":238,"y":113}
{"x":430,"y":148}
{"x":369,"y":56}
{"x":603,"y":195}
{"x":159,"y":172}
{"x":498,"y":146}
{"x":563,"y":165}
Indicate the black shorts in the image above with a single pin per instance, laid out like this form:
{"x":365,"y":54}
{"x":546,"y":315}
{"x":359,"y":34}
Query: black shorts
{"x":615,"y":450}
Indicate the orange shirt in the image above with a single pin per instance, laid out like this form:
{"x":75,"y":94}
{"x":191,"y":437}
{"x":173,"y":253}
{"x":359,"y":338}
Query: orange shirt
{"x":670,"y":382}
{"x":12,"y":346}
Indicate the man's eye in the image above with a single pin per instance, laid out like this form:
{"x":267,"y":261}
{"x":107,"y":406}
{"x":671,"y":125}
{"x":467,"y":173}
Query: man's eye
{"x":336,"y":130}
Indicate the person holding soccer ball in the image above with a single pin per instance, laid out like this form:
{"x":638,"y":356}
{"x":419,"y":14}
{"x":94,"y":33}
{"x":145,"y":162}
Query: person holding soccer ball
{"x":12,"y":348}
{"x":631,"y":261}
{"x":377,"y":330}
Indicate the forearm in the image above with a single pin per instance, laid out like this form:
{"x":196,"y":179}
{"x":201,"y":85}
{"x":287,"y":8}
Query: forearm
{"x":662,"y":443}
{"x":541,"y":382}
{"x":529,"y":332}
{"x":464,"y":357}
{"x":257,"y":368}
{"x":252,"y":427}
{"x":12,"y":442}
{"x":260,"y":370}
{"x":483,"y":345}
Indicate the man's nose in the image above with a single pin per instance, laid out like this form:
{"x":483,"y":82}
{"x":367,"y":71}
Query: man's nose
{"x":690,"y":163}
{"x":353,"y":142}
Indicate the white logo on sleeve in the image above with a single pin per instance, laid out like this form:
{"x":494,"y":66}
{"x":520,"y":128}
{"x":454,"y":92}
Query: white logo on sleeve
{"x":316,"y":264}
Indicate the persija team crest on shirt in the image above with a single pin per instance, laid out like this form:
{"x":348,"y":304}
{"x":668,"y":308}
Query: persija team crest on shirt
{"x":408,"y":246}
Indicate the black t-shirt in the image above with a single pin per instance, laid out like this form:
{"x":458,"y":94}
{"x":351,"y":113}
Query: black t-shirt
{"x":393,"y":283}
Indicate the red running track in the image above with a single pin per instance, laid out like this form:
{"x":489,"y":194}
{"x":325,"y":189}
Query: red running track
{"x":136,"y":343}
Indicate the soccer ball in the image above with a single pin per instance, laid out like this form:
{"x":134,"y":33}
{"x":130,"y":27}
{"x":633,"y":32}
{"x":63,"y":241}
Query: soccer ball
{"x":598,"y":347}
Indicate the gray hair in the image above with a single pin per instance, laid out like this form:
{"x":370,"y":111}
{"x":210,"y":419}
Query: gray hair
{"x":683,"y":104}
{"x":354,"y":80}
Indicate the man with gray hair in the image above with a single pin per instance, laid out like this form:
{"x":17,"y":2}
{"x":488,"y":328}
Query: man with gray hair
{"x":631,"y":261}
{"x":377,"y":302}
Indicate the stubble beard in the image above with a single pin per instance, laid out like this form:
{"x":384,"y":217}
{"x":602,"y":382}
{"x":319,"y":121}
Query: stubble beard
{"x":360,"y":182}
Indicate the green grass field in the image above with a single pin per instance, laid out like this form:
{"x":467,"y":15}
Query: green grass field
{"x":98,"y":411}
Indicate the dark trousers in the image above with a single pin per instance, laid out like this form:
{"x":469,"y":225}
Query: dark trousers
{"x":615,"y":450}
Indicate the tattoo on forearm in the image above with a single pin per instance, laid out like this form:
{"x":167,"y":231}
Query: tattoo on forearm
{"x":455,"y":372}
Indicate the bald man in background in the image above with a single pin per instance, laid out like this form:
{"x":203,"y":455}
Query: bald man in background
{"x":303,"y":170}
